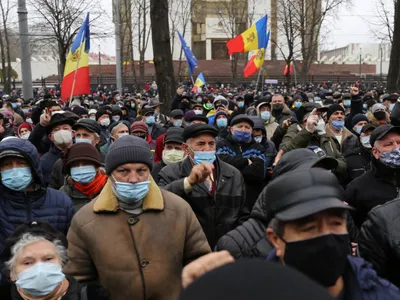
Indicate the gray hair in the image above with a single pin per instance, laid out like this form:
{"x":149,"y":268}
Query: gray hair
{"x":27,"y":239}
{"x":118,"y":126}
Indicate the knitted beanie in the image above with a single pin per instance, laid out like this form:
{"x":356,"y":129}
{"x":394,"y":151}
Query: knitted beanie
{"x":128,"y":149}
{"x":139,"y":126}
{"x":332,"y":109}
{"x":358,"y":118}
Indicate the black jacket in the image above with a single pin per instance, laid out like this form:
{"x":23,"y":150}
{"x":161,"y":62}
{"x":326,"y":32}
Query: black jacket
{"x":47,"y":162}
{"x":238,"y":155}
{"x":376,"y":187}
{"x":156,"y":131}
{"x":358,"y":160}
{"x":155,"y":173}
{"x":39,"y":139}
{"x":250,"y":238}
{"x":219,"y":214}
{"x":379,"y":238}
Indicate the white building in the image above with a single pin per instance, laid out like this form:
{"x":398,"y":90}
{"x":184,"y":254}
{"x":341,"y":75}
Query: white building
{"x":371,"y":53}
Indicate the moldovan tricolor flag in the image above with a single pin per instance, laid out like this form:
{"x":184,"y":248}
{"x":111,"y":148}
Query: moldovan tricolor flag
{"x":289,"y":68}
{"x":76,"y":73}
{"x":256,"y":61}
{"x":200,"y":81}
{"x":252,"y":39}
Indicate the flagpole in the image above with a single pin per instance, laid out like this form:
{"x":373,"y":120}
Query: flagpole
{"x":258,"y":77}
{"x":76,"y":69}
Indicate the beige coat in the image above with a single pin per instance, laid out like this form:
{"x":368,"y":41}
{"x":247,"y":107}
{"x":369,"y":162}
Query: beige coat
{"x":127,"y":253}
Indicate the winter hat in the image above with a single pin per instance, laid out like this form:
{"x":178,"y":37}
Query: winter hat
{"x":92,"y":111}
{"x":128,"y":149}
{"x":25,"y":125}
{"x":332,"y":109}
{"x":139,"y":126}
{"x":358,"y":118}
{"x":256,"y":280}
{"x":101,"y":112}
{"x":80,"y":152}
{"x":79,"y":110}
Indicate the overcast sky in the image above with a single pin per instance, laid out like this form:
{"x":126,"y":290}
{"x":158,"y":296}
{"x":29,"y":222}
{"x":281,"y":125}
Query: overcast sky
{"x":349,"y":25}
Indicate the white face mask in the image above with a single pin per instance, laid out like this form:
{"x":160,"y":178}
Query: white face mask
{"x":258,"y":139}
{"x":320,"y":128}
{"x":105,"y":122}
{"x":62,"y":137}
{"x":25,"y":136}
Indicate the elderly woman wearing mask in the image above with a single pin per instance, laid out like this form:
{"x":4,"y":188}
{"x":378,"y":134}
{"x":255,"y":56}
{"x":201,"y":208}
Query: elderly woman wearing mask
{"x":34,"y":255}
{"x":134,"y":238}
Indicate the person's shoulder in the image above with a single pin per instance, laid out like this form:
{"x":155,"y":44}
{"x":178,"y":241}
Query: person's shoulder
{"x":228,"y":169}
{"x":57,"y":197}
{"x":388,"y":212}
{"x":174,"y":203}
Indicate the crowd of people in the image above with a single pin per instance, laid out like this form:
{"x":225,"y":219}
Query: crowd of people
{"x":111,"y":196}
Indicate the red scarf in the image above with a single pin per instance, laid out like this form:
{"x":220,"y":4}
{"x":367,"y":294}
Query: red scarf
{"x":92,"y":188}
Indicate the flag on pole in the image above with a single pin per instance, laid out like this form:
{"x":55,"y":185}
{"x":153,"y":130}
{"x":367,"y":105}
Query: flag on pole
{"x":251,"y":39}
{"x":256,"y":61}
{"x":76,"y":73}
{"x":190,"y":58}
{"x":200,"y":81}
{"x":289,"y":68}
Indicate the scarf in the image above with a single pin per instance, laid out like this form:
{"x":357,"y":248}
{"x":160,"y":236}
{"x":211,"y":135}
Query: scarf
{"x":94,"y":187}
{"x":57,"y":294}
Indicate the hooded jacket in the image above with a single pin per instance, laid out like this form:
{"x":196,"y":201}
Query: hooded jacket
{"x":42,"y":204}
{"x":47,"y":162}
{"x":270,"y":125}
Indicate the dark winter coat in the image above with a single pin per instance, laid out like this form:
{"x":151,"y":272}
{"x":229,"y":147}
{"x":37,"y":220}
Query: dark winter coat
{"x":379,"y":238}
{"x":39,"y":139}
{"x":156,"y":131}
{"x":155,"y":173}
{"x":376,"y":187}
{"x":42,"y":204}
{"x":358,"y":160}
{"x":238,"y":155}
{"x":355,"y":109}
{"x":219,"y":214}
{"x":361,"y":281}
{"x":47,"y":162}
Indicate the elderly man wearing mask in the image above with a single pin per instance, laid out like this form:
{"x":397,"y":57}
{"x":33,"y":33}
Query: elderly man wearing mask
{"x":137,"y":218}
{"x":34,"y":256}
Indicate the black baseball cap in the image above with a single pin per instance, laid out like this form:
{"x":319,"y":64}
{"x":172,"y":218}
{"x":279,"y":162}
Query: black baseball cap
{"x":174,"y":134}
{"x":197,"y":129}
{"x":381,"y":131}
{"x":88,"y":124}
{"x":295,"y":195}
{"x":368,"y":127}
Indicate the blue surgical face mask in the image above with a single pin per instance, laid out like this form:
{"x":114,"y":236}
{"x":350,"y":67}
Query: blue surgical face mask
{"x":365,"y":141}
{"x":84,"y":174}
{"x":298,"y":104}
{"x":347,"y":103}
{"x":391,"y":158}
{"x":92,"y":118}
{"x":177,"y":123}
{"x":240,"y":104}
{"x":365,"y":106}
{"x":204,"y":157}
{"x":41,"y":279}
{"x":222,"y":123}
{"x":338,"y":124}
{"x":131,"y":193}
{"x":87,"y":141}
{"x":29,"y":120}
{"x":150,"y":120}
{"x":14,"y":105}
{"x":357,"y":129}
{"x":101,"y":102}
{"x":391,"y":106}
{"x":25,"y":110}
{"x":17,"y":179}
{"x":265,"y":115}
{"x":242,"y":136}
{"x":317,"y":99}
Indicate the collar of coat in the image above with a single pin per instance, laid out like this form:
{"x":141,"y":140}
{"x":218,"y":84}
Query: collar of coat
{"x":108,"y":202}
{"x":345,"y":133}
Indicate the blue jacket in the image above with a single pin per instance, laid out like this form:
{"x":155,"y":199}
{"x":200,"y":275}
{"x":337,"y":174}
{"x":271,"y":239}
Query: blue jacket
{"x":42,"y":204}
{"x":47,"y":162}
{"x":364,"y":283}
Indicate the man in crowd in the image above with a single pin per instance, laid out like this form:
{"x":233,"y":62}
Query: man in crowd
{"x":241,"y":151}
{"x":117,"y":130}
{"x":214,"y":189}
{"x":155,"y":130}
{"x":382,"y":182}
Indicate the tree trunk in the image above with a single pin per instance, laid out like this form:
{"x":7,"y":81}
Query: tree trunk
{"x":234,"y":64}
{"x":9,"y":67}
{"x":62,"y":56}
{"x":3,"y":63}
{"x":141,"y":70}
{"x":162,"y":52}
{"x":394,"y":66}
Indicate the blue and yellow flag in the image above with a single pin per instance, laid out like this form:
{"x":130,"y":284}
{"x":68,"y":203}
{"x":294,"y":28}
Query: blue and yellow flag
{"x":190,"y":59}
{"x":200,"y":81}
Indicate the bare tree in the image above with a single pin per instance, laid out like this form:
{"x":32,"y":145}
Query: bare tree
{"x":57,"y":21}
{"x":5,"y":7}
{"x":233,"y":16}
{"x":382,"y":25}
{"x":393,"y":79}
{"x":162,"y":52}
{"x":141,"y":9}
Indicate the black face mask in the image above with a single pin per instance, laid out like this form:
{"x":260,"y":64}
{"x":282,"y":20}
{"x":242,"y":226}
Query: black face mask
{"x":322,"y":258}
{"x":380,"y":115}
{"x":277,"y":107}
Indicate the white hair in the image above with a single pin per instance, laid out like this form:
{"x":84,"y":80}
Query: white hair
{"x":27,"y":239}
